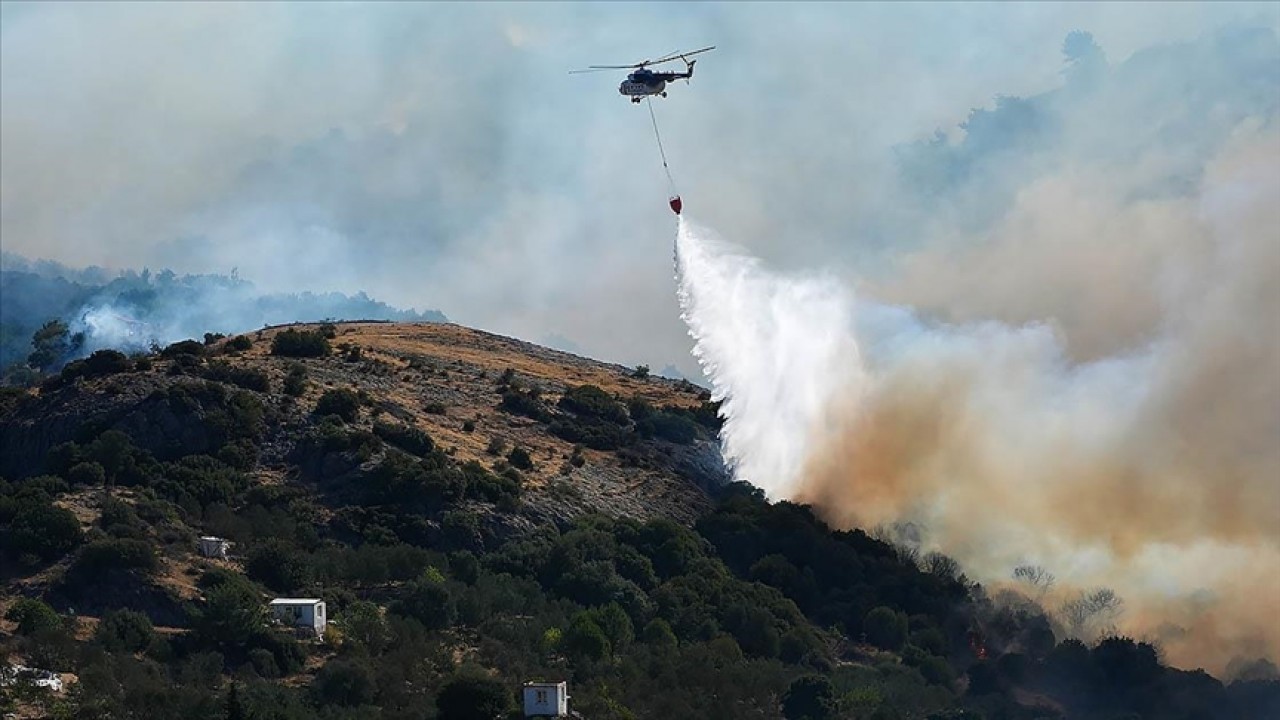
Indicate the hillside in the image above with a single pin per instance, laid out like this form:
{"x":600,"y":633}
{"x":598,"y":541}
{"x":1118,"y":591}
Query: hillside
{"x":476,"y":512}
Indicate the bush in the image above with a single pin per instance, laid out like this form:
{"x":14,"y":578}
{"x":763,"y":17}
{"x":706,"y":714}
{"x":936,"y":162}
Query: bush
{"x":668,"y":426}
{"x":811,"y":697}
{"x":124,"y":631}
{"x":473,"y":696}
{"x":240,"y":343}
{"x":247,"y":378}
{"x":519,"y":457}
{"x":192,"y":348}
{"x":595,"y":434}
{"x":885,"y":628}
{"x":340,"y":402}
{"x":300,"y":343}
{"x":585,"y":640}
{"x":106,"y":362}
{"x":347,"y":683}
{"x":278,"y":565}
{"x":428,"y":602}
{"x":101,"y":558}
{"x":409,"y":439}
{"x":591,"y":401}
{"x":525,"y":403}
{"x":42,"y":532}
{"x":89,"y":474}
{"x":32,"y":616}
{"x":295,"y":381}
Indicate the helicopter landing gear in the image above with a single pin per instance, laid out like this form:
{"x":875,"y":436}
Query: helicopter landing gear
{"x":635,"y":100}
{"x":664,"y":94}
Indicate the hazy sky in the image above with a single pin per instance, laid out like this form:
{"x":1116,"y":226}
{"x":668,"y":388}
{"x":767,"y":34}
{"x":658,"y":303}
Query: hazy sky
{"x":440,"y":155}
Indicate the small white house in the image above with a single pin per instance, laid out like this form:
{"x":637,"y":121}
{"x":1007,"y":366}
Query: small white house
{"x":300,"y":613}
{"x":214,"y":547}
{"x":546,"y":700}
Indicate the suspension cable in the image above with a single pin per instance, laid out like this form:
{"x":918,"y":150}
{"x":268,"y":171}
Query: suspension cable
{"x":661,"y":151}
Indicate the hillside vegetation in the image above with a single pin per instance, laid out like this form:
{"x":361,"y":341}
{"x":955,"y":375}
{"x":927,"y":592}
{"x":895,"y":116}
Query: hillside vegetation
{"x":478,"y":512}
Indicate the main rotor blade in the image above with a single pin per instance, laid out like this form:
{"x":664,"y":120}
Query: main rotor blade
{"x":590,"y":70}
{"x":678,"y":55}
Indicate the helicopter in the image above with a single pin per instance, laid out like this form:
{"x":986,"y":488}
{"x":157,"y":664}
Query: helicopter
{"x":643,"y":82}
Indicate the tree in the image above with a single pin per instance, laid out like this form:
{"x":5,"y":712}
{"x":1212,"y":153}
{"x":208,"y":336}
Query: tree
{"x":363,"y":624}
{"x":885,"y":628}
{"x":231,"y":615}
{"x":584,"y":639}
{"x":1036,"y":577}
{"x":616,"y":625}
{"x":345,"y":682}
{"x":1092,"y":612}
{"x":32,"y":616}
{"x":124,"y":631}
{"x":428,"y":602}
{"x":278,"y":565}
{"x":810,"y":697}
{"x":41,"y":532}
{"x":52,"y":343}
{"x":471,"y":695}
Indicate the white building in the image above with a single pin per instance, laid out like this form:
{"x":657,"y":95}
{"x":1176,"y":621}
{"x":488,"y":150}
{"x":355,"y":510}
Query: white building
{"x":15,"y":674}
{"x":214,"y":547}
{"x":300,"y":613}
{"x":543,"y":700}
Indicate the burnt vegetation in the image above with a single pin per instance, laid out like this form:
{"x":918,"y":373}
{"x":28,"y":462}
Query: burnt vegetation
{"x":446,"y":590}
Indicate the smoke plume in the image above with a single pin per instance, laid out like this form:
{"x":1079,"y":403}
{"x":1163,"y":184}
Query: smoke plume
{"x":1143,"y":458}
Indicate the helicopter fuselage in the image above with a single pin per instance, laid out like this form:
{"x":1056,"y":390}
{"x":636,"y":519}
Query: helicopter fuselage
{"x":643,"y":83}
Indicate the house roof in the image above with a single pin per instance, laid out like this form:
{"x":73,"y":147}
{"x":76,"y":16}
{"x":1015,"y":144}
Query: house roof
{"x":296,"y":601}
{"x":541,"y":685}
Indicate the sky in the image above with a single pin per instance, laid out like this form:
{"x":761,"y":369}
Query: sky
{"x":441,"y":155}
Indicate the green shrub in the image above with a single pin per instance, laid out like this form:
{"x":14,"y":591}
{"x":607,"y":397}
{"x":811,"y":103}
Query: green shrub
{"x":89,"y":474}
{"x":585,"y":640}
{"x":247,"y":378}
{"x":346,"y":683}
{"x":428,"y":602}
{"x":811,"y":697}
{"x":240,"y":343}
{"x":106,"y":362}
{"x":32,"y":616}
{"x":124,"y":631}
{"x":102,"y":558}
{"x":295,"y":381}
{"x":591,"y":401}
{"x":300,"y":343}
{"x":885,"y":628}
{"x":40,"y":531}
{"x":409,"y":439}
{"x":526,"y":403}
{"x":340,"y":402}
{"x":278,"y":565}
{"x":668,"y":426}
{"x":473,"y":695}
{"x":191,"y":348}
{"x":519,"y":457}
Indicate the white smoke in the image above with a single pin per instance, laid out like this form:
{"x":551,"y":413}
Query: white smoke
{"x":1151,"y":470}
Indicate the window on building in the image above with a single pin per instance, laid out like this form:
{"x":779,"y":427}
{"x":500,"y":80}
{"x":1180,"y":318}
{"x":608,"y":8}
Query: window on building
{"x":540,"y":697}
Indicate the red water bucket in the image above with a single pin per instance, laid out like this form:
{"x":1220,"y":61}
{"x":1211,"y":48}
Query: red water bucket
{"x":675,"y":204}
